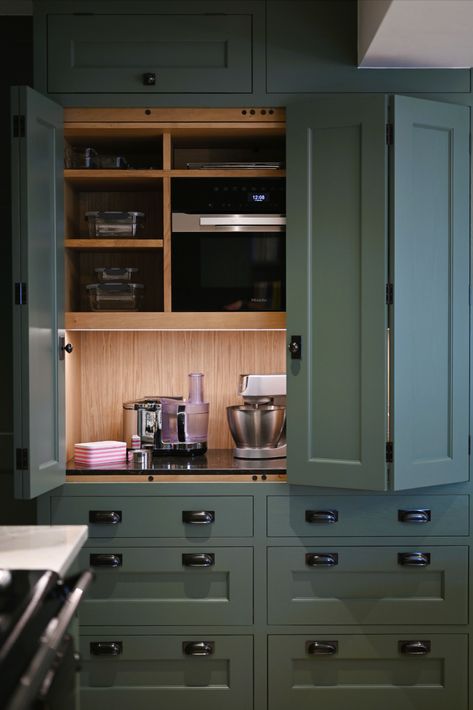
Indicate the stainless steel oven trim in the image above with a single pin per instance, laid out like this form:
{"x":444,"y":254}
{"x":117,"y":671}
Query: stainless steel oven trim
{"x":186,"y":222}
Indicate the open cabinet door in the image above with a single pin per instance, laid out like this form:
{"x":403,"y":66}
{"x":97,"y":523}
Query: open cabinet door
{"x":337,"y":255}
{"x":37,"y":200}
{"x":430,"y":272}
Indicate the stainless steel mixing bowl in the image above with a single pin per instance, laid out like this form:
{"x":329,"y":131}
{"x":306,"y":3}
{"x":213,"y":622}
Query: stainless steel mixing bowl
{"x":256,"y":426}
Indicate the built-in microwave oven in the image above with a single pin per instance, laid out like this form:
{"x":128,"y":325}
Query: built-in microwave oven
{"x":228,"y":245}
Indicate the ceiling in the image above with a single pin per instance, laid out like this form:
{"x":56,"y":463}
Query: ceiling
{"x":415,"y":33}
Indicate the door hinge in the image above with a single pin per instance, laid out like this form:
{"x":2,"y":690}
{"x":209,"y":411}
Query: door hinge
{"x":389,"y":452}
{"x":20,"y":293}
{"x":389,"y":294}
{"x":22,"y":459}
{"x":389,"y":134}
{"x":18,"y":126}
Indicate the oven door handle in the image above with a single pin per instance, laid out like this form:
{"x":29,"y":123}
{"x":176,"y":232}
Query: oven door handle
{"x":241,"y":220}
{"x":50,"y":642}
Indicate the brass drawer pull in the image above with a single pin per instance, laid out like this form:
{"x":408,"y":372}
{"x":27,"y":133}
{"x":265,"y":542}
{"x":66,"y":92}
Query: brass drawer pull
{"x":416,"y":515}
{"x":414,"y":648}
{"x":198,"y":559}
{"x":321,"y":516}
{"x":321,"y":559}
{"x":106,"y":648}
{"x":105,"y":517}
{"x":198,"y":517}
{"x":322,"y":648}
{"x":113,"y":559}
{"x":414,"y":559}
{"x":198,"y":648}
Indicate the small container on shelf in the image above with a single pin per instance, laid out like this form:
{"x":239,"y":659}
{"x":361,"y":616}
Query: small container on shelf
{"x":79,"y":158}
{"x":115,"y":224}
{"x":115,"y":296}
{"x":112,"y":162}
{"x":115,"y":274}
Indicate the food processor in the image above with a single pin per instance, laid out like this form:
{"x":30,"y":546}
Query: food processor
{"x":258,"y":426}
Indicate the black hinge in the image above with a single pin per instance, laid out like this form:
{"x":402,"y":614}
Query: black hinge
{"x":389,"y":452}
{"x":389,"y":294}
{"x":389,"y":134}
{"x":22,"y":459}
{"x":18,"y":126}
{"x":20,"y":293}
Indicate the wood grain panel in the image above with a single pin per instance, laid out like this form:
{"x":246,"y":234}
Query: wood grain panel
{"x":117,"y":367}
{"x":180,"y":115}
{"x":73,"y":392}
{"x":176,"y":321}
{"x":167,"y":244}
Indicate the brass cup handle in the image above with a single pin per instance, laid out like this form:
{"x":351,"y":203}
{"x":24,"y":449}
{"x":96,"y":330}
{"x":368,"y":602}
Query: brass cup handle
{"x":322,"y":648}
{"x":198,"y":648}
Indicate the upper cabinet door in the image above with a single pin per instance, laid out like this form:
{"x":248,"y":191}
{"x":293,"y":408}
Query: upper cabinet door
{"x":37,"y":198}
{"x":430,"y":272}
{"x":336,"y":281}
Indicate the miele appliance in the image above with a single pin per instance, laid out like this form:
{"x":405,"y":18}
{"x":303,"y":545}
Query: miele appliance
{"x":228,"y":244}
{"x":38,"y":663}
{"x":170,"y":425}
{"x":258,"y":426}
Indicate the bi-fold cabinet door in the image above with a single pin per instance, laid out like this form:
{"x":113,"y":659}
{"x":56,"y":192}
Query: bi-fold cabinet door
{"x":37,"y":219}
{"x":377,"y":292}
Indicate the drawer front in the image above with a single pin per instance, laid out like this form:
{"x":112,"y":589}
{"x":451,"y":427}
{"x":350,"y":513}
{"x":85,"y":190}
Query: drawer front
{"x":369,"y":585}
{"x":178,"y":672}
{"x":338,"y":515}
{"x":186,"y":517}
{"x":168,"y":586}
{"x":178,"y":53}
{"x":338,"y":672}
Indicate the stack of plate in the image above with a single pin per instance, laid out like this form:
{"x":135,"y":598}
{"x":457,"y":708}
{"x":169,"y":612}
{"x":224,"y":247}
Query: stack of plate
{"x":91,"y":453}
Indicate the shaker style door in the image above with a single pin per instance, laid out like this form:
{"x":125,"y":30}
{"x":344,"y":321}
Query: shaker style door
{"x":336,"y":279}
{"x":360,"y":354}
{"x":430,"y":272}
{"x":37,"y":202}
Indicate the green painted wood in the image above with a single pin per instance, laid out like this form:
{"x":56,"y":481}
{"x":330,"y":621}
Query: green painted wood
{"x":37,"y":199}
{"x":311,"y":47}
{"x":368,"y":672}
{"x":153,"y":586}
{"x":336,"y":277}
{"x":367,"y":515}
{"x":154,"y":671}
{"x":430,"y":270}
{"x":156,"y":516}
{"x":367,"y":586}
{"x":189,"y":53}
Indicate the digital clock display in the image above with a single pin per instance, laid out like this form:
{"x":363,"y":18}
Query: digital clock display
{"x":258,"y":197}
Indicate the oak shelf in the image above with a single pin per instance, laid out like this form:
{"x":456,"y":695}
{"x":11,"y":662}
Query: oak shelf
{"x":86,"y":244}
{"x":143,"y":320}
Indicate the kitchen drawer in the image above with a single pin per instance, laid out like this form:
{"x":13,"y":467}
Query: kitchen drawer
{"x":185,"y":52}
{"x":153,"y":672}
{"x":337,"y":672}
{"x":367,"y":585}
{"x":338,"y":515}
{"x":157,"y":516}
{"x":168,"y":586}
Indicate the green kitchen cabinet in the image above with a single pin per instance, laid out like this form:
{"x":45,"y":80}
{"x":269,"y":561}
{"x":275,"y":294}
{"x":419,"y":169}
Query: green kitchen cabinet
{"x":378,"y":292}
{"x":349,"y":671}
{"x":151,"y":671}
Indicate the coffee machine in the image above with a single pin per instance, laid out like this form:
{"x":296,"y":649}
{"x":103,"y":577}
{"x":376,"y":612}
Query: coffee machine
{"x":170,"y":426}
{"x":258,"y":426}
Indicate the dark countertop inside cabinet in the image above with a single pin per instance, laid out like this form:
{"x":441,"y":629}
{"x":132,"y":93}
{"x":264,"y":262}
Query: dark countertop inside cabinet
{"x":215,"y":461}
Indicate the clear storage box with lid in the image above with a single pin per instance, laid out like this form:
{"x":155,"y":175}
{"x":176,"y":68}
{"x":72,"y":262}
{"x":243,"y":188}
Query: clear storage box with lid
{"x":115,"y":274}
{"x":115,"y":224}
{"x":115,"y":296}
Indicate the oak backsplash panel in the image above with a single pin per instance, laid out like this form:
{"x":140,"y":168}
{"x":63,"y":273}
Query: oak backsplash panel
{"x":115,"y":367}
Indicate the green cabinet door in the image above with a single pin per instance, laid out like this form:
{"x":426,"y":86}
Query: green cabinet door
{"x":430,"y":272}
{"x":336,"y":280}
{"x":337,"y":271}
{"x":37,"y":199}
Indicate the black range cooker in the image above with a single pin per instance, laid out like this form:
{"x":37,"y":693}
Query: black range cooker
{"x":38,"y":662}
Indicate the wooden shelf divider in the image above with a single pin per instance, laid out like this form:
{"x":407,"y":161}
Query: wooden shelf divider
{"x":87,"y":244}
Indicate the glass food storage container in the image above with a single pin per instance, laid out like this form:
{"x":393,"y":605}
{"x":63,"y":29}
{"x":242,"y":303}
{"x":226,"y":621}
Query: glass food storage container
{"x":115,"y":274}
{"x":115,"y":224}
{"x":115,"y":296}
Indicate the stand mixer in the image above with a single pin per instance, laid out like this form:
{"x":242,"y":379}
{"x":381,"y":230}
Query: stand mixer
{"x":258,"y":426}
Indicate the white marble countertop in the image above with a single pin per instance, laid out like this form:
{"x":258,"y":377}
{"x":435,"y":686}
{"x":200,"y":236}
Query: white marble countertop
{"x":29,"y":547}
